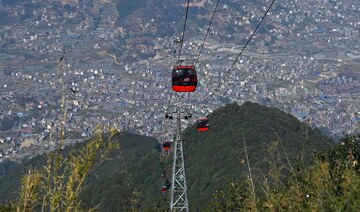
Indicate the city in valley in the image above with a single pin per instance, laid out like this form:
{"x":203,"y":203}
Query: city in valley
{"x":75,"y":65}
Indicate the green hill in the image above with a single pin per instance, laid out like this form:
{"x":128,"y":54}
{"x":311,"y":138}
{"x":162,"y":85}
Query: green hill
{"x":133,"y":174}
{"x":217,"y":157}
{"x":213,"y":159}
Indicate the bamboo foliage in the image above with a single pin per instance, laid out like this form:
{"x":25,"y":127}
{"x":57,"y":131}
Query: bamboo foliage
{"x":57,"y":186}
{"x":30,"y":190}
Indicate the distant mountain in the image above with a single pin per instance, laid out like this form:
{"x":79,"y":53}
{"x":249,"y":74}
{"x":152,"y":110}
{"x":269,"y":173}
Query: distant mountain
{"x":213,"y":159}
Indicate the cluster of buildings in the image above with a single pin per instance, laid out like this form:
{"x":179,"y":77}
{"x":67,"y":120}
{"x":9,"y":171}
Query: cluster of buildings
{"x":303,"y":61}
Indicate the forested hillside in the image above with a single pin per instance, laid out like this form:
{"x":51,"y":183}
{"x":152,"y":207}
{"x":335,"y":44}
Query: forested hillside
{"x":277,"y":145}
{"x":273,"y":138}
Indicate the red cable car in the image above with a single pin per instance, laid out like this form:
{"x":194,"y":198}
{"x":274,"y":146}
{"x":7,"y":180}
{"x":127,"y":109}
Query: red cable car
{"x":184,"y":78}
{"x":203,"y":125}
{"x":164,"y":189}
{"x":166,"y":145}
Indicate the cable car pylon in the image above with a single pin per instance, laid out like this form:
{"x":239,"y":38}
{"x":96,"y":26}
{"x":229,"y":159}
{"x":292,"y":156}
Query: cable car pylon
{"x":179,"y":200}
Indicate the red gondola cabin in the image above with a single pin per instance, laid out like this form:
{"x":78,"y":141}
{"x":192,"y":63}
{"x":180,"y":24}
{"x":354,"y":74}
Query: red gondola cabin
{"x":203,"y":125}
{"x":166,"y":145}
{"x":164,"y":189}
{"x":184,"y":78}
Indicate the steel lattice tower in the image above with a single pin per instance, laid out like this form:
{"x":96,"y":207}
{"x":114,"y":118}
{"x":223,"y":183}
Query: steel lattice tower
{"x":179,"y":201}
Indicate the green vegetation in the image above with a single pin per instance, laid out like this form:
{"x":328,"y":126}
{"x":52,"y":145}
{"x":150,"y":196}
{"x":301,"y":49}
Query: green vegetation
{"x":293,"y":167}
{"x":130,"y":180}
{"x":332,"y":183}
{"x":57,"y":185}
{"x":130,"y":174}
{"x":273,"y":138}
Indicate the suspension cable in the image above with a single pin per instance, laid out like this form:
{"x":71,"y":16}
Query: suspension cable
{"x":181,"y":45}
{"x":184,"y":29}
{"x":241,"y":52}
{"x":207,"y":31}
{"x":205,"y":37}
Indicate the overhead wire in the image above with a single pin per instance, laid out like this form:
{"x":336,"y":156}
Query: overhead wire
{"x":207,"y":31}
{"x":181,"y":46}
{"x":184,"y":29}
{"x":205,"y":37}
{"x":241,"y":52}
